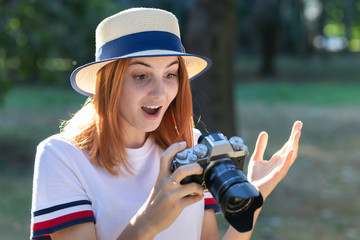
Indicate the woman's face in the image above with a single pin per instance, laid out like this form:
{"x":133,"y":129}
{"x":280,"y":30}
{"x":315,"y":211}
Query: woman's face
{"x":150,"y":84}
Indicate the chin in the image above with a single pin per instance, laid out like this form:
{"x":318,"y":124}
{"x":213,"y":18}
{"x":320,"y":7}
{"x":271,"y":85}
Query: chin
{"x":149,"y":129}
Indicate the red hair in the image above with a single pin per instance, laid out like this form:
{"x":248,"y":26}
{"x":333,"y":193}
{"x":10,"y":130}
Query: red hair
{"x":101,"y":135}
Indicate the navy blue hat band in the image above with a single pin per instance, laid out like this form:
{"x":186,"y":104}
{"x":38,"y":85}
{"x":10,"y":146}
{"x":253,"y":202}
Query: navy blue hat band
{"x":138,"y":42}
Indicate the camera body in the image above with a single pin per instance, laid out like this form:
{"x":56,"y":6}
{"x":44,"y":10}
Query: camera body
{"x":222,"y":161}
{"x":212,"y":148}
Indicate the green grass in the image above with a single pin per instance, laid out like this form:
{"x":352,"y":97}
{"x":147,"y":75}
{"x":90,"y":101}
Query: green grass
{"x":32,"y":113}
{"x":310,"y":68}
{"x":328,"y":80}
{"x":312,"y":94}
{"x":15,"y":205}
{"x":27,"y":98}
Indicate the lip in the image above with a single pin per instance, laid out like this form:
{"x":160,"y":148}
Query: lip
{"x":152,"y":117}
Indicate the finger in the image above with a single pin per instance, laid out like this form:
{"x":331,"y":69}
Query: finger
{"x":299,"y":125}
{"x":286,"y":164}
{"x":186,"y":191}
{"x":296,"y":128}
{"x":289,"y":144}
{"x":293,"y":142}
{"x":186,"y":170}
{"x":295,"y":145}
{"x":190,"y":199}
{"x":260,"y":146}
{"x":190,"y":189}
{"x":168,"y":154}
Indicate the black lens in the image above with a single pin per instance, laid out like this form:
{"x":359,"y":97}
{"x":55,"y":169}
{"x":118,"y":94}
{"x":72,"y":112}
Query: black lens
{"x":236,"y":204}
{"x":237,"y":198}
{"x":220,"y":176}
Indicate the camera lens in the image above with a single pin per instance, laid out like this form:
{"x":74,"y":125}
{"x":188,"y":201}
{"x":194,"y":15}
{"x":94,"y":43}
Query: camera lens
{"x":236,"y":204}
{"x":224,"y":179}
{"x":237,"y":198}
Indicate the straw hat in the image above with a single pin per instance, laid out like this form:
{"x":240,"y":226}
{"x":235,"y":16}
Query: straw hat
{"x":136,"y":32}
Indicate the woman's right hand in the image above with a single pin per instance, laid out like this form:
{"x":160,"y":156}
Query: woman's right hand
{"x":167,"y":199}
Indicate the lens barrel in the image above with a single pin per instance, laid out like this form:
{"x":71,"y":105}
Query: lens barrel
{"x":237,"y":198}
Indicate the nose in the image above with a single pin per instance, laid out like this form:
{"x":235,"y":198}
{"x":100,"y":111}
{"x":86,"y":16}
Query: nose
{"x":157,"y":87}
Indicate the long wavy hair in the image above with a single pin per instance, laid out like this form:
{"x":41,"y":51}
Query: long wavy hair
{"x":97,"y":126}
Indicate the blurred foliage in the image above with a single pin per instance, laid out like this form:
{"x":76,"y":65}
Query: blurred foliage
{"x":45,"y":41}
{"x":42,"y":42}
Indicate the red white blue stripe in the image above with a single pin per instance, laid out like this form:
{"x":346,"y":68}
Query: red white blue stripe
{"x":210,"y":203}
{"x":51,"y":219}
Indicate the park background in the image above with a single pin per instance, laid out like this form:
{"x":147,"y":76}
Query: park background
{"x":275,"y":62}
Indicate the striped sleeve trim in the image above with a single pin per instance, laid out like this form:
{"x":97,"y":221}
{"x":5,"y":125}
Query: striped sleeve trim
{"x":61,"y":206}
{"x":52,"y":219}
{"x":210,"y":203}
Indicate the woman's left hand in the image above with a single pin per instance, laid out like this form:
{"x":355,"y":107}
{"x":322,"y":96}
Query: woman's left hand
{"x":266,"y":174}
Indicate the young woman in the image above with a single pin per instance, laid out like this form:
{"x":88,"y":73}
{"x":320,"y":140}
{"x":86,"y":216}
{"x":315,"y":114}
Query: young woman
{"x":107,"y":175}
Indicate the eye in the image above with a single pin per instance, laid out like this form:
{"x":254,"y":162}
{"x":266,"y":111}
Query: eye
{"x":171,"y":75}
{"x":140,"y":77}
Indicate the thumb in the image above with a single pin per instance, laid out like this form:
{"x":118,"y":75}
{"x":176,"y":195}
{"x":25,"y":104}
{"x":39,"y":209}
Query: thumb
{"x":168,"y":154}
{"x":260,"y":146}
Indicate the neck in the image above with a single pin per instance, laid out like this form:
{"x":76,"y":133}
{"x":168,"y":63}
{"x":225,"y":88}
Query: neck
{"x":135,"y":140}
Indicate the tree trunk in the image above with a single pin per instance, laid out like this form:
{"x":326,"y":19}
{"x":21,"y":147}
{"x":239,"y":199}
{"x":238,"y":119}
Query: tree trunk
{"x":266,"y":21}
{"x":348,"y":19}
{"x":211,"y":32}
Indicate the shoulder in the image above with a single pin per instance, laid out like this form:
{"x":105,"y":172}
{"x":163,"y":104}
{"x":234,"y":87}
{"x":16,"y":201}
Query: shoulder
{"x":57,"y":150}
{"x":56,"y":141}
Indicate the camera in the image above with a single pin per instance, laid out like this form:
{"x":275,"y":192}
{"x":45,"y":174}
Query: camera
{"x":222,"y":161}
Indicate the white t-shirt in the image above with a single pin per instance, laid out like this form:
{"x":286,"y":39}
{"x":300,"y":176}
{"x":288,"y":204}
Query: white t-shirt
{"x":68,"y":189}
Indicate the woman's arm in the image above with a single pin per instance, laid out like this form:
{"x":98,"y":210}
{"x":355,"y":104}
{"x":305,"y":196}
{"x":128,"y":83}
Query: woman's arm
{"x":266,"y":174}
{"x":232,"y":233}
{"x":209,"y":229}
{"x":83,"y":231}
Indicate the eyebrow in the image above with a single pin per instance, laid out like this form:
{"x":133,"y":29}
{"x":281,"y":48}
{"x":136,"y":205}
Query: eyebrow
{"x":149,"y":66}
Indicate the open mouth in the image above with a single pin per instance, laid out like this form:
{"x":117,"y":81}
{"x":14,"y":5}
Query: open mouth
{"x":151,"y":110}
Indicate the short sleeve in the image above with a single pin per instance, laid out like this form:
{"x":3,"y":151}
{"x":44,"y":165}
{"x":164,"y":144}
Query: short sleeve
{"x":210,"y":202}
{"x":59,"y":200}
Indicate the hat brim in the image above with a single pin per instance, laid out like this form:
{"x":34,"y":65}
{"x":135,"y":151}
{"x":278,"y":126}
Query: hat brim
{"x":83,"y":78}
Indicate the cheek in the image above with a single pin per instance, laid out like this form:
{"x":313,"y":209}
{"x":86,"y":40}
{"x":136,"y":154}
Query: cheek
{"x":127,"y":99}
{"x":130,"y":101}
{"x":123,"y":100}
{"x":173,"y":91}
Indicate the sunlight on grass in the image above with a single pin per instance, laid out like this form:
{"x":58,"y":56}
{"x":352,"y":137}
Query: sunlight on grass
{"x":34,"y":113}
{"x":313,"y":94}
{"x":15,"y":206}
{"x":41,"y":98}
